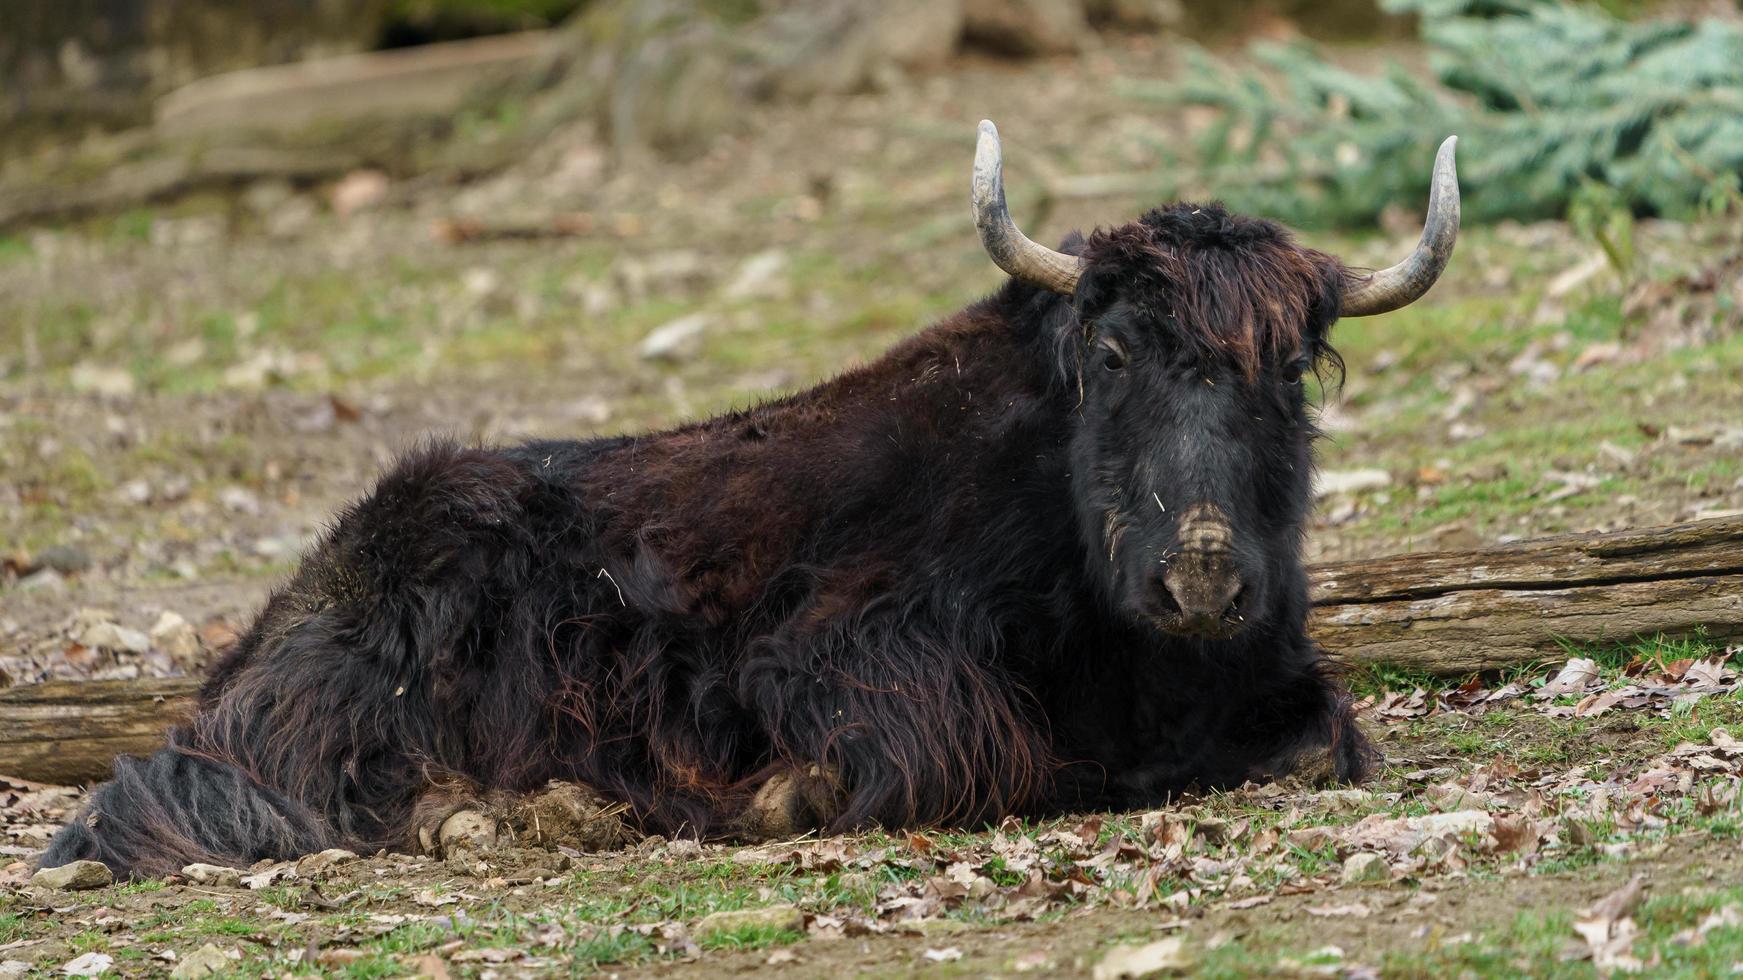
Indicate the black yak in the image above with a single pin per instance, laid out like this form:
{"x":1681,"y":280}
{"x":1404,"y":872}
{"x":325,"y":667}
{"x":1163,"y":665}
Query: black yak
{"x":1042,"y":556}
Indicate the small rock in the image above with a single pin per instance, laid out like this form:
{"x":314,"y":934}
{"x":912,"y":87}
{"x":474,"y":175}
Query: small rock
{"x":481,"y":282}
{"x":214,"y":875}
{"x":13,"y":968}
{"x":177,"y":639}
{"x":203,"y":962}
{"x":1148,"y":960}
{"x":1365,"y":867}
{"x":467,"y":830}
{"x":314,"y":864}
{"x":240,"y":500}
{"x":113,"y":636}
{"x":265,"y":874}
{"x":668,"y":273}
{"x":273,"y":548}
{"x":88,"y":965}
{"x":762,"y":276}
{"x":108,"y":382}
{"x":75,"y":877}
{"x":1329,"y":482}
{"x":777,"y":918}
{"x":358,"y":190}
{"x":678,"y":340}
{"x":134,"y":492}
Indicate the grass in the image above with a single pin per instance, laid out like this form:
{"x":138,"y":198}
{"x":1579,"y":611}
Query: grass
{"x":1613,"y":659}
{"x":752,"y":936}
{"x":1538,"y":943}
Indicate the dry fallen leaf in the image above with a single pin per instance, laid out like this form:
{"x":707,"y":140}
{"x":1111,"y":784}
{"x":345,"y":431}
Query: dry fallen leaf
{"x":1573,"y":678}
{"x":88,"y":965}
{"x":1609,"y":930}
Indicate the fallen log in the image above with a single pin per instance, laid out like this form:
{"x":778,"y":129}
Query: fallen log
{"x":1458,"y":612}
{"x":1447,"y":613}
{"x":69,"y":732}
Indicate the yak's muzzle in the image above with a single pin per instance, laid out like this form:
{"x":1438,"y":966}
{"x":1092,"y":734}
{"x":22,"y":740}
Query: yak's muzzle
{"x":1202,"y":584}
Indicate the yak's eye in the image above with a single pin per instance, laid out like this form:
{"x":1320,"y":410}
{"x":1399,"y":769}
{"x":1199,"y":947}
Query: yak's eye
{"x":1293,"y":371}
{"x":1113,"y":358}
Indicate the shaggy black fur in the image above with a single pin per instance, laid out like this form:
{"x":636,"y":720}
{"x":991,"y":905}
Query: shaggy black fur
{"x":933,"y":580}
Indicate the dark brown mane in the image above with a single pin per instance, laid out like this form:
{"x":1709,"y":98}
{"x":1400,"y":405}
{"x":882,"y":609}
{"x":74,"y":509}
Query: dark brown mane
{"x":1233,"y":288}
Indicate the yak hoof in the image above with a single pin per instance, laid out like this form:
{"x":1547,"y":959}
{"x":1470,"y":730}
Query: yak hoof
{"x":467,"y":831}
{"x":571,"y":815}
{"x":1315,"y":768}
{"x":792,"y":803}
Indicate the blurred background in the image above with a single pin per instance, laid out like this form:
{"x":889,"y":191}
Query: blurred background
{"x":249,"y":252}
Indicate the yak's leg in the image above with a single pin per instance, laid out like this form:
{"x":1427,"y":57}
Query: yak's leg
{"x":460,"y":815}
{"x":1310,"y":732}
{"x":882,"y":724}
{"x":1297,"y":720}
{"x":1139,"y":742}
{"x":344,"y":702}
{"x":794,"y":800}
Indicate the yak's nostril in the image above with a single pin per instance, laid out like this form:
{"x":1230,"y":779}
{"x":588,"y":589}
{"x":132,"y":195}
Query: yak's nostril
{"x":1165,"y":595}
{"x":1237,"y":601}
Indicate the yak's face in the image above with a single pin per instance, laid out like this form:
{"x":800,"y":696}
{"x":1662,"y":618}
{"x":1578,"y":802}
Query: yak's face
{"x":1189,"y":334}
{"x":1196,"y":333}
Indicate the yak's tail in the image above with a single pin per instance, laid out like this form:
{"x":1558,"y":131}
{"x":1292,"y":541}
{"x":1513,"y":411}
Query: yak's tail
{"x":173,"y":808}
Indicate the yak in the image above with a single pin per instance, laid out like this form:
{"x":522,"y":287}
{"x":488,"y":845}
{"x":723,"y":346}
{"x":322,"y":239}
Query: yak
{"x":1043,"y":556}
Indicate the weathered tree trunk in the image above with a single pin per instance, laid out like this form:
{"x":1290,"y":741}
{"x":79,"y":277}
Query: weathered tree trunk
{"x":69,"y":732}
{"x":1448,"y":613}
{"x":1457,"y":612}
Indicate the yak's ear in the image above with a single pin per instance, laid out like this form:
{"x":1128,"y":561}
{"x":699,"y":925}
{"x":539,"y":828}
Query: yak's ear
{"x":1328,"y":363}
{"x":1072,"y":243}
{"x":1327,"y":305}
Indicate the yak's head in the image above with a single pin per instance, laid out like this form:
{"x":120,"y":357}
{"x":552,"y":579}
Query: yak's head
{"x":1190,"y":334}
